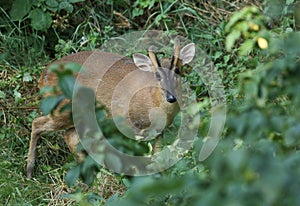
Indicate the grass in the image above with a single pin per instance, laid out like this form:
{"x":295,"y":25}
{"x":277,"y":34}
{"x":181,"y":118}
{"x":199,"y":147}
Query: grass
{"x":48,"y":186}
{"x":23,"y":53}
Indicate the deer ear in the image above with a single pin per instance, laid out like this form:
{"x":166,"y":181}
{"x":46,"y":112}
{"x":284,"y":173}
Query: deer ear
{"x":187,"y":53}
{"x":142,"y":62}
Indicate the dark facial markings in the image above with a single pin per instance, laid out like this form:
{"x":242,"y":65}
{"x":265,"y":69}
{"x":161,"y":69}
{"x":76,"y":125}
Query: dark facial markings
{"x":157,"y":60}
{"x":168,"y":80}
{"x":158,"y":77}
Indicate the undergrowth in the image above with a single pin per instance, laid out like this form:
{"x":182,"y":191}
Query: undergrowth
{"x":85,"y":25}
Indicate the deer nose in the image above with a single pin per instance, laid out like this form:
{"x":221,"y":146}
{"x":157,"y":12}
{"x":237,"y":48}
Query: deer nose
{"x":171,"y":98}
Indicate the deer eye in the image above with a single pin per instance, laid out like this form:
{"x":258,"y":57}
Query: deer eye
{"x":177,"y":71}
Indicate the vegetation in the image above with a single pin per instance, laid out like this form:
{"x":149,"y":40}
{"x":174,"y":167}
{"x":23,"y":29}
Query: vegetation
{"x":255,"y":47}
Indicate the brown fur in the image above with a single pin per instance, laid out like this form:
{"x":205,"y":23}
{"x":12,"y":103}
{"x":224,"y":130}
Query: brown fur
{"x":104,"y":83}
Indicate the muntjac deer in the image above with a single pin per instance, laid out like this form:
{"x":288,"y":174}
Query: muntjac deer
{"x":112,"y":69}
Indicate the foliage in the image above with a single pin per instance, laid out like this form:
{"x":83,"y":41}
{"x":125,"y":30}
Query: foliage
{"x":39,"y":11}
{"x":248,"y":24}
{"x":257,"y":161}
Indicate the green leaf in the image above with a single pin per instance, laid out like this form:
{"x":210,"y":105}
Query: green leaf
{"x":242,"y":26}
{"x":207,"y":36}
{"x":47,"y":89}
{"x":72,"y":175}
{"x":66,"y":6}
{"x":226,"y":58}
{"x":66,"y":84}
{"x":2,"y":95}
{"x":88,"y":170}
{"x":40,"y":20}
{"x":3,"y":55}
{"x":217,"y":55}
{"x":137,"y":12}
{"x":246,"y":47}
{"x":74,"y":67}
{"x":166,"y":185}
{"x":17,"y":95}
{"x":77,"y":196}
{"x":233,"y":20}
{"x":75,"y":1}
{"x":36,"y":3}
{"x":288,"y":2}
{"x":48,"y":104}
{"x":54,"y":67}
{"x":27,"y":77}
{"x":19,"y":9}
{"x":52,"y":3}
{"x":292,"y":136}
{"x":231,"y":39}
{"x":239,"y":16}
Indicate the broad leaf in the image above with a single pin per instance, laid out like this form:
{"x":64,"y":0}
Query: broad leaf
{"x":40,"y":20}
{"x":246,"y":47}
{"x":19,"y":9}
{"x":52,"y":3}
{"x":66,"y":84}
{"x":75,"y":1}
{"x":66,"y":6}
{"x":48,"y":104}
{"x":72,"y":175}
{"x":231,"y":39}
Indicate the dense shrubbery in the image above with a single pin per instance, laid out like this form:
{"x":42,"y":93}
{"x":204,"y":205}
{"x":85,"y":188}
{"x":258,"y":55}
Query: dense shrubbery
{"x":257,"y":54}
